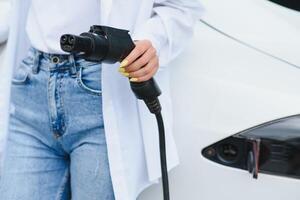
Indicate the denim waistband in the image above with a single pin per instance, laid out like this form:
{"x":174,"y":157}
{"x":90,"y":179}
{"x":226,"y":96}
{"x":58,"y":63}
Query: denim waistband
{"x":53,"y":62}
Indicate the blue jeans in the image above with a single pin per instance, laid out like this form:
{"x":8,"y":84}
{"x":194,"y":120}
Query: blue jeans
{"x":56,"y":147}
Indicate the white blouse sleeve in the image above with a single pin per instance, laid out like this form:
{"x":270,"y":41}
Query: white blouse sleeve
{"x":4,"y":19}
{"x":170,"y":27}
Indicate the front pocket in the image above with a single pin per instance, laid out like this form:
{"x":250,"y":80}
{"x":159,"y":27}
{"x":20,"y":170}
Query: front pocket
{"x":89,"y":79}
{"x":22,"y":72}
{"x":20,"y":75}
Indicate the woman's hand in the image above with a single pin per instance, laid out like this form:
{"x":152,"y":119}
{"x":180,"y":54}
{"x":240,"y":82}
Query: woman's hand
{"x":142,"y":63}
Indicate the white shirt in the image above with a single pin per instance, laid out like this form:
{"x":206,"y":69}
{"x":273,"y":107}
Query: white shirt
{"x":48,"y":20}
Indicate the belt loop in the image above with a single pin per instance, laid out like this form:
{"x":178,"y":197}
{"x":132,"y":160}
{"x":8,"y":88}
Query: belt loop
{"x":73,"y":70}
{"x":36,"y":62}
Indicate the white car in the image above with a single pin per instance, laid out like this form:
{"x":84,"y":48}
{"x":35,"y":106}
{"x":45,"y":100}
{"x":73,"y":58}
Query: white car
{"x":240,"y":72}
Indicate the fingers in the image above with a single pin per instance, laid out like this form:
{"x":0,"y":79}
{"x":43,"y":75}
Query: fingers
{"x":140,"y":48}
{"x":145,"y":73}
{"x":142,"y":63}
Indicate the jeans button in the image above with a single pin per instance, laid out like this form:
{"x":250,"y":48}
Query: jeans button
{"x":55,"y":59}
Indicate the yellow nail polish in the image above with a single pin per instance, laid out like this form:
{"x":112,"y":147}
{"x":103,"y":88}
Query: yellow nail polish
{"x":134,"y":79}
{"x":124,"y":63}
{"x":122,"y":70}
{"x":125,"y":74}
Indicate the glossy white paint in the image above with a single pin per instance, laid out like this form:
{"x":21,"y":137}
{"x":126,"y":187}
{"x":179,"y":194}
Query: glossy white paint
{"x":261,"y":23}
{"x":221,"y":87}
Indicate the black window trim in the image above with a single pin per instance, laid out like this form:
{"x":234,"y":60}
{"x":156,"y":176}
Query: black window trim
{"x":292,"y":4}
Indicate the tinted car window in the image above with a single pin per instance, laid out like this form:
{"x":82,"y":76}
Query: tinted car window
{"x":293,"y":4}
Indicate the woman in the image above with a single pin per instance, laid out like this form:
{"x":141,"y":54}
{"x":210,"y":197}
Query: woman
{"x":76,"y":130}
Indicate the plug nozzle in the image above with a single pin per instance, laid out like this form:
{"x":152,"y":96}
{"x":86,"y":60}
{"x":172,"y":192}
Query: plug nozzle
{"x":76,"y":44}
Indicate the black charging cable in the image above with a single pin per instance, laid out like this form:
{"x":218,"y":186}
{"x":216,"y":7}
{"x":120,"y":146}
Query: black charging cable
{"x":154,"y":106}
{"x":149,"y":91}
{"x":111,"y":45}
{"x":163,"y":157}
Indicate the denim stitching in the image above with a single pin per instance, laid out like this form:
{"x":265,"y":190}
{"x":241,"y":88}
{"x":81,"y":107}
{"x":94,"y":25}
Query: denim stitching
{"x":24,"y":79}
{"x":62,"y":105}
{"x":49,"y":105}
{"x":80,"y":82}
